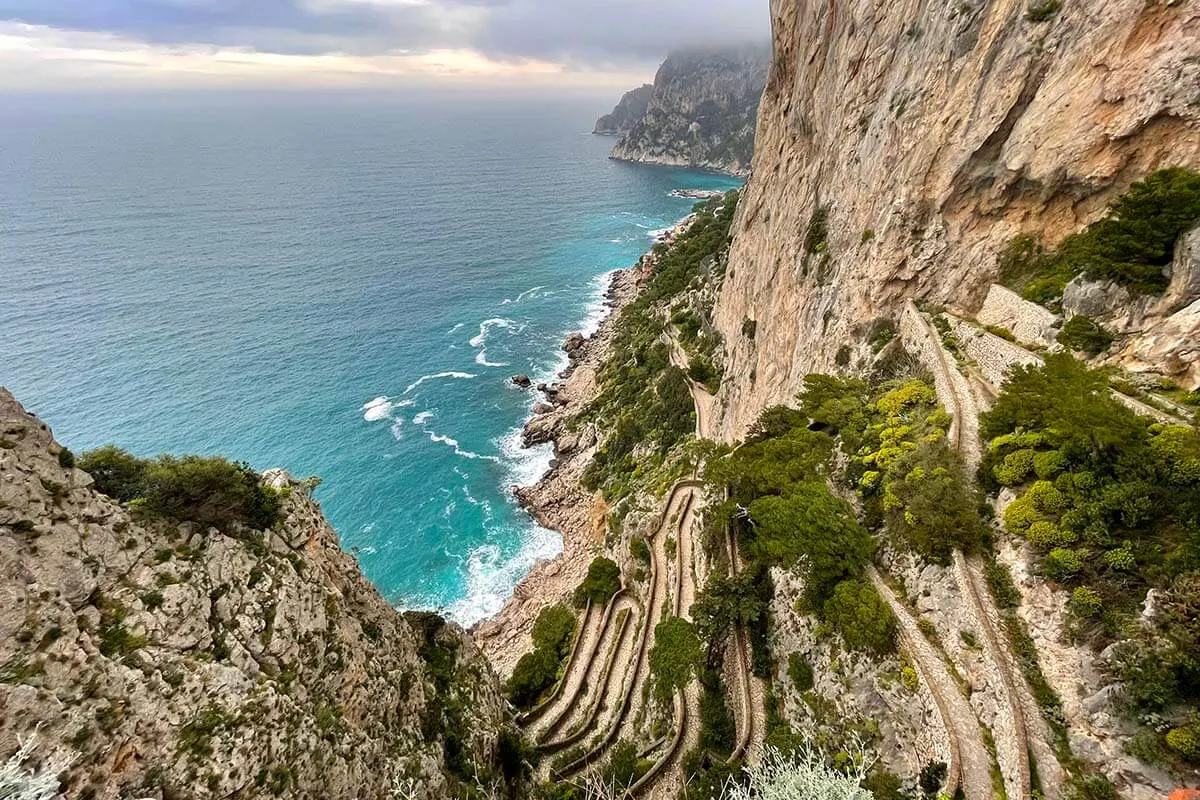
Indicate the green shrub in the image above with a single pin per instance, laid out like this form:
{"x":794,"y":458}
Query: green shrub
{"x":1043,"y":10}
{"x":881,"y":333}
{"x":1121,"y":559}
{"x":116,"y":472}
{"x":1015,"y":468}
{"x":1020,"y":516}
{"x":801,"y":672}
{"x":675,"y":657}
{"x":864,"y":620}
{"x":1061,"y":564}
{"x":623,"y":767}
{"x":1085,"y":335}
{"x":1135,"y":241}
{"x":1003,"y":333}
{"x":66,"y":459}
{"x":1086,"y":603}
{"x":1001,"y":584}
{"x":1186,"y":742}
{"x":930,"y":504}
{"x":212,"y":492}
{"x":811,"y":524}
{"x":535,"y":673}
{"x":209,"y":491}
{"x":815,"y":238}
{"x":554,"y":629}
{"x":602,"y":582}
{"x":1131,"y":245}
{"x":639,"y":549}
{"x":1049,"y":465}
{"x":1047,"y":536}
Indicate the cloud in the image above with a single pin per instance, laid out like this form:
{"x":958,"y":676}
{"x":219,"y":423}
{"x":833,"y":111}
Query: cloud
{"x":40,"y":57}
{"x":367,"y":36}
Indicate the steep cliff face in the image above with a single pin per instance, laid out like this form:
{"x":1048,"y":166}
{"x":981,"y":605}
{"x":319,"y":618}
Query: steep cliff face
{"x":901,"y":146}
{"x":163,"y":660}
{"x":628,"y":112}
{"x":702,"y":111}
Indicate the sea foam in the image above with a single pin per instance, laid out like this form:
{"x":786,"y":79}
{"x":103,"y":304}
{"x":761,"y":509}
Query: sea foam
{"x":438,"y":376}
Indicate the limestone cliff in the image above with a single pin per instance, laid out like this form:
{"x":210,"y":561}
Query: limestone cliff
{"x":168,"y":661}
{"x":701,"y":112}
{"x":628,"y":112}
{"x":901,"y":146}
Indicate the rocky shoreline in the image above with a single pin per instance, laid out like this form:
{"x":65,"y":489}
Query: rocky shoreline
{"x":558,"y":501}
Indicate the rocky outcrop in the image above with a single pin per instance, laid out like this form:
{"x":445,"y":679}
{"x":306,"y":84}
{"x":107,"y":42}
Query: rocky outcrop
{"x":702,"y":111}
{"x":1160,"y":333}
{"x":168,"y":661}
{"x":900,"y":147}
{"x":628,"y":112}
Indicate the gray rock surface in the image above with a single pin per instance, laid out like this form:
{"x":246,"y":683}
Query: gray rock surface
{"x":933,"y":133}
{"x":628,"y":112}
{"x":174,"y":662}
{"x":702,"y":111}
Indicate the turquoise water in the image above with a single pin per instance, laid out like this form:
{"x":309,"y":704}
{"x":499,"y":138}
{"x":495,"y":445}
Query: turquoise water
{"x":340,"y":286}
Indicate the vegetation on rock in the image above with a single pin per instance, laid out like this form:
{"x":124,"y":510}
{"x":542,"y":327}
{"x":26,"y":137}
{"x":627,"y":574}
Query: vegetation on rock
{"x":1111,"y":503}
{"x":602,"y":582}
{"x":644,"y":401}
{"x":209,"y":491}
{"x":1131,"y":245}
{"x":539,"y":670}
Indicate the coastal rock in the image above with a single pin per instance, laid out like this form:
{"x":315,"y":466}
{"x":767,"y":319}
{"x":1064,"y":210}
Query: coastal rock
{"x":629,"y":111}
{"x":170,"y":661}
{"x":522,"y":381}
{"x":924,"y":164}
{"x":702,"y":111}
{"x":542,"y":408}
{"x":573,"y":343}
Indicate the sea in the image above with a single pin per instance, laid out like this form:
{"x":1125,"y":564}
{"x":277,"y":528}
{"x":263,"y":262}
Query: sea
{"x":341,"y":285}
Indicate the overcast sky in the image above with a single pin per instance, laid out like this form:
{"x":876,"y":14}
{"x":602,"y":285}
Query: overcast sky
{"x":48,"y":44}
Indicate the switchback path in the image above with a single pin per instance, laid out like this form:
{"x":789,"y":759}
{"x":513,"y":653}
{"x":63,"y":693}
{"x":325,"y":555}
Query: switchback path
{"x":970,"y":762}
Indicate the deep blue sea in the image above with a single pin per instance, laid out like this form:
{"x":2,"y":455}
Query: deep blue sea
{"x":338,"y":285}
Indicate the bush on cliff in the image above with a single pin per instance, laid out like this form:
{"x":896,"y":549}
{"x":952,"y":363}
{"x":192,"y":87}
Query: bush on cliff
{"x":602,"y":582}
{"x":1132,"y":244}
{"x":675,"y":657}
{"x":1085,"y":335}
{"x":862,"y":617}
{"x":1111,"y":503}
{"x":209,"y":491}
{"x":538,"y":671}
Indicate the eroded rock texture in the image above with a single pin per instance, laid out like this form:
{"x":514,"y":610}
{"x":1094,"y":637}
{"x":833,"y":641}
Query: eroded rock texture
{"x":168,"y":661}
{"x":930,"y":133}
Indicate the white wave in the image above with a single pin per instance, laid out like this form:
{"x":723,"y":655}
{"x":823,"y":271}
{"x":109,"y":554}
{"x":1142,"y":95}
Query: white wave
{"x":486,"y":326}
{"x":526,"y":465}
{"x":458,"y":327}
{"x":449,"y":442}
{"x":378,"y":409}
{"x":527,"y":293}
{"x":438,"y":376}
{"x":491,"y":577}
{"x":658,"y":233}
{"x":597,"y":309}
{"x":397,"y":428}
{"x":481,"y":360}
{"x":422,"y":418}
{"x":368,"y":550}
